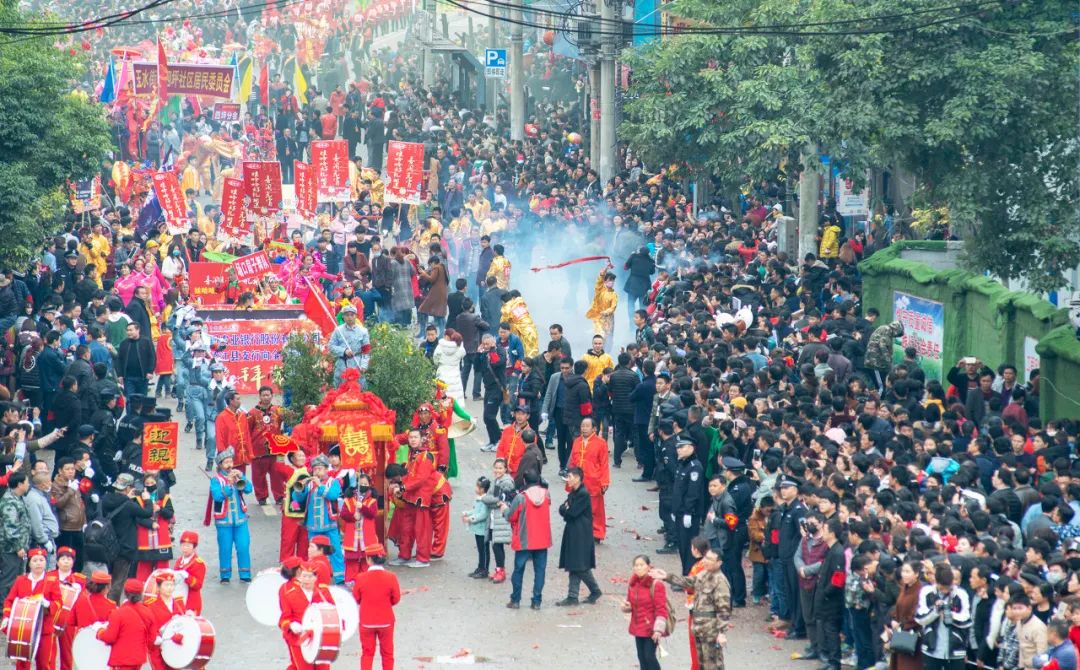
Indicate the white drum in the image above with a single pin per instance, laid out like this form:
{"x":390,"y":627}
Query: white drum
{"x":89,"y":652}
{"x":150,"y":587}
{"x":348,"y":610}
{"x":187,"y":642}
{"x":262,"y":597}
{"x":322,"y":633}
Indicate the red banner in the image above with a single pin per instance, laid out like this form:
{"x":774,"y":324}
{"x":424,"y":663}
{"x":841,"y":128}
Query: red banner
{"x":253,"y":347}
{"x":171,"y":199}
{"x":232,"y":208}
{"x":159,"y":446}
{"x":330,"y":158}
{"x":252,"y":266}
{"x":405,"y":171}
{"x":226,"y":111}
{"x":262,"y":186}
{"x":206,"y":281}
{"x":186,"y":79}
{"x":306,"y":188}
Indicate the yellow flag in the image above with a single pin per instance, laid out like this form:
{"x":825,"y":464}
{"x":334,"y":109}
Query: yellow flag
{"x":299,"y":83}
{"x":245,"y":80}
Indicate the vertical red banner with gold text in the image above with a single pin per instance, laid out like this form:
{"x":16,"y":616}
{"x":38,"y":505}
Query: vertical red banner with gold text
{"x":262,"y":185}
{"x":405,"y":172}
{"x":330,"y":159}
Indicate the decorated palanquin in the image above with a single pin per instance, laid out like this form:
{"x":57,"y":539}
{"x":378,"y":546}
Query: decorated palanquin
{"x":360,"y":423}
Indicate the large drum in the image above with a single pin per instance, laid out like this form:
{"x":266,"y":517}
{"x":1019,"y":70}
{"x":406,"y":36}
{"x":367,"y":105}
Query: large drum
{"x":89,"y":652}
{"x":347,"y":610}
{"x":150,"y":587}
{"x":24,"y":628}
{"x":187,"y":643}
{"x":69,"y":593}
{"x":322,"y":633}
{"x":262,"y":597}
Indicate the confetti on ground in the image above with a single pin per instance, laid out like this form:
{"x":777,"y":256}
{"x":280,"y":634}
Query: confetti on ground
{"x":644,"y":508}
{"x":418,"y":589}
{"x":778,"y":634}
{"x":620,"y":580}
{"x":459,"y":657}
{"x":536,"y":646}
{"x":569,"y":625}
{"x":423,"y":659}
{"x":776,"y":647}
{"x":574,"y":613}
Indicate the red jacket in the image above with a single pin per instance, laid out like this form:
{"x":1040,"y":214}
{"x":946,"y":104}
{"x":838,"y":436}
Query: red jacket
{"x":90,"y":608}
{"x":435,"y":438}
{"x":418,"y":482}
{"x":511,"y":448}
{"x":592,"y":458}
{"x":648,"y":606}
{"x":324,"y":574}
{"x":530,"y":519}
{"x":160,"y":613}
{"x":376,"y":592}
{"x":48,"y":587}
{"x":263,"y":425}
{"x":196,"y":570}
{"x":127,"y":631}
{"x":233,"y":431}
{"x":358,"y":524}
{"x":294,"y":602}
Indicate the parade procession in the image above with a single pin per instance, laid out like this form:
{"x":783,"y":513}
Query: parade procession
{"x":623,"y":334}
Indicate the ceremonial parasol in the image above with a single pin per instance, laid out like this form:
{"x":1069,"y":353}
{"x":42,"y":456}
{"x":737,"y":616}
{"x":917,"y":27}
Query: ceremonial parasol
{"x":126,"y":52}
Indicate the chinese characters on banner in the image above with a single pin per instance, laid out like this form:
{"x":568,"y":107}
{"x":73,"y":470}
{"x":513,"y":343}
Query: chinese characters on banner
{"x":357,"y":451}
{"x":207,"y":281}
{"x":232,"y":208}
{"x":253,"y":347}
{"x":226,"y":111}
{"x":252,"y":266}
{"x":186,"y":79}
{"x":262,"y":185}
{"x":924,"y":329}
{"x":306,"y":188}
{"x":171,"y":199}
{"x":330,"y":158}
{"x":160,"y":441}
{"x":405,"y":168}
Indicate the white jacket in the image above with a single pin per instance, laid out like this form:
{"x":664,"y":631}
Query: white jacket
{"x":447,"y":357}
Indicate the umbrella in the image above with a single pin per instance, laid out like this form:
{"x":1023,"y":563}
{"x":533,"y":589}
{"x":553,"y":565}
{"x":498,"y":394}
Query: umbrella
{"x":127,"y":53}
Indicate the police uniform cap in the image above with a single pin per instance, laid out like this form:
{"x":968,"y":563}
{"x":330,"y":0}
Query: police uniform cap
{"x":732,"y":463}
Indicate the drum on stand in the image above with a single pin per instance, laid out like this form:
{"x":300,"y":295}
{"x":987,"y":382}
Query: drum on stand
{"x":322,"y":633}
{"x":150,"y":587}
{"x":89,"y":652}
{"x":187,"y":643}
{"x":348,"y":610}
{"x":262,"y":597}
{"x":24,"y":628}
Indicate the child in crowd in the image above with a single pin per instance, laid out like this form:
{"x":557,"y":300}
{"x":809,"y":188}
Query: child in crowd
{"x":478,"y":524}
{"x":502,"y":490}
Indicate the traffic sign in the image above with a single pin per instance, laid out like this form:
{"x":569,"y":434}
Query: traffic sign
{"x":495,"y":63}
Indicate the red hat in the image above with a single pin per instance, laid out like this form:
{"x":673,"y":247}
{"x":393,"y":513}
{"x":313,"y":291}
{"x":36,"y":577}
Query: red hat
{"x":309,"y":566}
{"x":133,"y":586}
{"x":36,"y":552}
{"x":320,"y":541}
{"x":65,"y":551}
{"x":99,"y":577}
{"x":375,"y":550}
{"x":190,"y":536}
{"x":425,"y":407}
{"x":291,"y":563}
{"x":165,"y":576}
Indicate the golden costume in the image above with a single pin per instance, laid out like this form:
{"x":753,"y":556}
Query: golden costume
{"x":495,"y":223}
{"x":500,"y":270}
{"x":602,"y":310}
{"x":516,"y":313}
{"x":480,"y":208}
{"x":97,"y":252}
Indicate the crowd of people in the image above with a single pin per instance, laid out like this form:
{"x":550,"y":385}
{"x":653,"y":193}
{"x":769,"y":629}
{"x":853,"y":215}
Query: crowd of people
{"x":885,"y":516}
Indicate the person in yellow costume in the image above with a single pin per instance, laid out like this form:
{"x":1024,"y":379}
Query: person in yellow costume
{"x":516,"y":313}
{"x":96,"y":248}
{"x":830,"y":241}
{"x":597,"y":360}
{"x":605,"y":301}
{"x":423,"y":233}
{"x":500,"y":268}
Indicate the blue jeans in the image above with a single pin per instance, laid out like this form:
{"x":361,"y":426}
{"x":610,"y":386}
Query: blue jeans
{"x":864,"y":640}
{"x":425,"y":319}
{"x":337,"y":559}
{"x":135,"y":386}
{"x":777,"y":602}
{"x":227,"y":537}
{"x":759,"y":584}
{"x":195,"y":410}
{"x":539,"y":561}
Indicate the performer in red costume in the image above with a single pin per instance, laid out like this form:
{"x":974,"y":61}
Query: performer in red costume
{"x":65,"y":574}
{"x":47,"y":586}
{"x":191,"y":569}
{"x":265,"y":422}
{"x":92,"y":605}
{"x":162,"y":607}
{"x":376,"y":592}
{"x":293,"y":533}
{"x":359,"y":513}
{"x":294,"y":598}
{"x":128,"y":630}
{"x":590,"y":453}
{"x":416,"y":490}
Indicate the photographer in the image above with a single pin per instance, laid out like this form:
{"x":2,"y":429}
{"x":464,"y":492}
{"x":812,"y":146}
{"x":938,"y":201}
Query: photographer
{"x":808,"y":558}
{"x":944,"y":615}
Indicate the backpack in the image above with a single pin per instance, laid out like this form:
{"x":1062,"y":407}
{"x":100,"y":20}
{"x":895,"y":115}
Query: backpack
{"x":669,"y":611}
{"x":99,"y":540}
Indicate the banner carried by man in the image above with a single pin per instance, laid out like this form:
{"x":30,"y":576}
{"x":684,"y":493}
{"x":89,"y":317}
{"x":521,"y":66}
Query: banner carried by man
{"x":185,"y":79}
{"x":330,"y":158}
{"x":405,"y":168}
{"x":262,"y":187}
{"x":171,"y":199}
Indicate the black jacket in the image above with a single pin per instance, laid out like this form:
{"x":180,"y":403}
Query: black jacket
{"x":829,"y":592}
{"x":493,"y":372}
{"x":137,"y":312}
{"x":788,"y":529}
{"x":491,"y":304}
{"x":87,"y":391}
{"x":530,"y":392}
{"x":642,"y":397}
{"x":67,"y":413}
{"x":687,"y":493}
{"x":577,"y":551}
{"x":125,"y":522}
{"x":142,"y":350}
{"x":621,"y":385}
{"x":578,"y":398}
{"x":641,"y":267}
{"x":470,"y":326}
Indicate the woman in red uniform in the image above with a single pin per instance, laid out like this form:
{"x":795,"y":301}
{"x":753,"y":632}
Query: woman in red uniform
{"x":37,"y":583}
{"x":162,"y":608}
{"x":358,"y":515}
{"x":294,"y":598}
{"x":65,"y":574}
{"x":92,"y":605}
{"x":127,"y":631}
{"x":154,"y":539}
{"x":192,"y":569}
{"x":319,"y":550}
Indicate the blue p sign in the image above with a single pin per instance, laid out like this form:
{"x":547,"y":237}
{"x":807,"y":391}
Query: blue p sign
{"x":495,"y":57}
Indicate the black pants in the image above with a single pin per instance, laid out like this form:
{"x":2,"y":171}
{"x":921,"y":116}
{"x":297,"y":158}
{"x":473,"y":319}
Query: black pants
{"x":562,"y":432}
{"x":685,"y":536}
{"x":791,"y":596}
{"x":119,"y":571}
{"x":829,"y":623}
{"x":73,"y":539}
{"x":644,"y":450}
{"x":11,"y":566}
{"x":930,"y":663}
{"x":499,"y":549}
{"x":624,"y":435}
{"x":806,"y":604}
{"x":733,"y":568}
{"x":483,"y":557}
{"x":646,"y":653}
{"x":491,"y":418}
{"x":468,"y":364}
{"x":666,"y":517}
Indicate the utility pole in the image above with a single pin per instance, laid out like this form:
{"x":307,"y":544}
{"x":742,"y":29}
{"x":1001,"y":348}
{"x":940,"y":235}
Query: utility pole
{"x":809,"y":181}
{"x":429,"y":51}
{"x":491,"y":83}
{"x":517,"y":76}
{"x":608,"y":16}
{"x":594,"y":115}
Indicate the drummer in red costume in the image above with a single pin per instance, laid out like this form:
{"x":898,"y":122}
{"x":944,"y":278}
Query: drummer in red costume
{"x":511,"y":446}
{"x":294,"y":599}
{"x":376,"y":592}
{"x":47,"y":587}
{"x":162,"y":607}
{"x":68,"y":578}
{"x":441,"y":494}
{"x":590,"y":453}
{"x":434,"y":435}
{"x":265,"y":422}
{"x":295,"y":475}
{"x":318,"y":552}
{"x":192,"y":569}
{"x":358,"y":516}
{"x":128,"y":630}
{"x":416,"y":490}
{"x":92,"y":605}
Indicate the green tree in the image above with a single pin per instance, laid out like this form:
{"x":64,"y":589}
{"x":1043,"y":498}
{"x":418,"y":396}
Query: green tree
{"x":399,"y":373}
{"x":48,"y":135}
{"x":306,"y":371}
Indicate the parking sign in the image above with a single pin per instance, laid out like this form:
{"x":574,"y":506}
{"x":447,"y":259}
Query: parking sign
{"x":495,"y":63}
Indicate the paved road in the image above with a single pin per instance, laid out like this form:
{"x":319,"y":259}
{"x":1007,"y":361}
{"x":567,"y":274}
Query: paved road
{"x":445,"y":612}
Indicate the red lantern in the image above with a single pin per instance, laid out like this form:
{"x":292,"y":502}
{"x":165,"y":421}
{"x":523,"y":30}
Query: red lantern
{"x":549,"y":37}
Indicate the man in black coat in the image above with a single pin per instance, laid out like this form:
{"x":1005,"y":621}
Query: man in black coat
{"x":642,"y":399}
{"x":83,"y":372}
{"x":641,"y":267}
{"x":375,"y":140}
{"x":493,"y":371}
{"x":621,"y":386}
{"x":67,"y":415}
{"x":135,"y":361}
{"x":577,"y":553}
{"x":129,"y":514}
{"x":829,"y":595}
{"x":139,"y":313}
{"x":470,"y":326}
{"x":686,"y":501}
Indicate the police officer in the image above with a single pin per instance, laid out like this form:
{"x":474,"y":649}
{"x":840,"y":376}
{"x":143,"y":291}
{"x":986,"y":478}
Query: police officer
{"x":741,"y":489}
{"x":666,"y":461}
{"x":686,"y":500}
{"x":792,"y":511}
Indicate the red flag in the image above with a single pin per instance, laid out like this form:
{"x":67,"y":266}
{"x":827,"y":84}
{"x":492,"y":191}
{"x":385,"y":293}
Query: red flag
{"x":317,"y":308}
{"x":162,"y":73}
{"x":264,"y":85}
